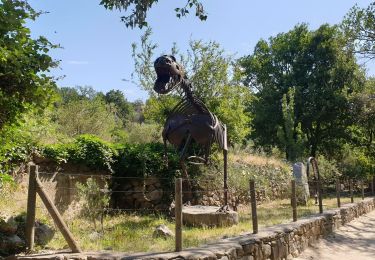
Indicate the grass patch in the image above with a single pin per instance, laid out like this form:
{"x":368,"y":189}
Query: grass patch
{"x":130,"y":232}
{"x":133,"y":233}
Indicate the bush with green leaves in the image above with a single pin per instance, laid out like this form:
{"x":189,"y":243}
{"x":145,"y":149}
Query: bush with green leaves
{"x":95,"y":199}
{"x":15,"y":150}
{"x":271,"y":179}
{"x":86,"y":149}
{"x":328,"y":170}
{"x":144,"y":160}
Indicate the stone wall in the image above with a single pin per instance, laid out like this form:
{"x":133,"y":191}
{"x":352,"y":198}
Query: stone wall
{"x":283,"y":241}
{"x":139,"y":193}
{"x":59,"y":181}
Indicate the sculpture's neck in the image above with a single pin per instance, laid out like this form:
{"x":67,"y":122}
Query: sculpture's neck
{"x":189,"y":95}
{"x":186,"y":87}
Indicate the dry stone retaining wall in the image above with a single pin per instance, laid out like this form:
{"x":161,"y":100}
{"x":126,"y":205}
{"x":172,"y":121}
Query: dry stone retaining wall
{"x":59,"y":181}
{"x":283,"y":241}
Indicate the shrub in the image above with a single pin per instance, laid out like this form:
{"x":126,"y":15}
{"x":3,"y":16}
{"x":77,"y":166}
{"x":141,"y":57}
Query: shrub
{"x":328,"y":170}
{"x":143,"y":133}
{"x":86,"y":149}
{"x":95,"y":200}
{"x":271,"y":176}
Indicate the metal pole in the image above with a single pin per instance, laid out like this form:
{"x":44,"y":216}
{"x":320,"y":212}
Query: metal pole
{"x":314,"y":163}
{"x":320,"y":195}
{"x":294,"y":201}
{"x":338,"y":191}
{"x":351,"y":190}
{"x":363,"y":189}
{"x":253,"y":207}
{"x":178,"y":214}
{"x":225,"y":153}
{"x":31,"y":203}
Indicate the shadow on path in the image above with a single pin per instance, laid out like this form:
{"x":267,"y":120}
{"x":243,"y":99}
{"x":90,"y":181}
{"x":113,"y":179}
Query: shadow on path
{"x":355,"y":240}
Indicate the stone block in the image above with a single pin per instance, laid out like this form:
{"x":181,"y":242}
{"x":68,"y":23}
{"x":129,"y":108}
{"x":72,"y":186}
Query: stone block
{"x":8,"y":225}
{"x":208,"y":216}
{"x":266,"y":250}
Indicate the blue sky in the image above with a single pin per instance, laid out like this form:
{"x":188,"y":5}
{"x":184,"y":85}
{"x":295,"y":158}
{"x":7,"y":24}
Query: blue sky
{"x":97,"y":46}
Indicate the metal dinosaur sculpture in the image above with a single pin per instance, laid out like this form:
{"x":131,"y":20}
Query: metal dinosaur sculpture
{"x":190,"y":120}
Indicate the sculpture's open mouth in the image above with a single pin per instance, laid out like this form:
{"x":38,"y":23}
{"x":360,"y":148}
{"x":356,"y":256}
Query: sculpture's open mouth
{"x":163,"y":74}
{"x":168,"y":72}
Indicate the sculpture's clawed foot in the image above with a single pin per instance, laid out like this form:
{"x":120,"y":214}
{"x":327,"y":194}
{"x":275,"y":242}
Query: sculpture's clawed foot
{"x":165,"y":161}
{"x":224,"y":208}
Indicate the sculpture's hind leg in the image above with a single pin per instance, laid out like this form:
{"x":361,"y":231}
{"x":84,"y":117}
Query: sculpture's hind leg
{"x":187,"y":195}
{"x":165,"y":157}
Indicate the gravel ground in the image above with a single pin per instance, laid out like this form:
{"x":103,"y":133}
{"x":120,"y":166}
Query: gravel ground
{"x":354,"y":241}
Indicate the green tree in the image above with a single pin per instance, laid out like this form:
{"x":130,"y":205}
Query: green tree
{"x":23,"y":63}
{"x":325,"y":75}
{"x":137,"y":10}
{"x":69,"y":94}
{"x":86,"y":117}
{"x":124,"y":109}
{"x":290,"y":133}
{"x":359,"y":26}
{"x":362,"y":146}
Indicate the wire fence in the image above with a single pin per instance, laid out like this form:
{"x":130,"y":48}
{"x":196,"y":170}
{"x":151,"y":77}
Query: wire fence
{"x":321,"y":191}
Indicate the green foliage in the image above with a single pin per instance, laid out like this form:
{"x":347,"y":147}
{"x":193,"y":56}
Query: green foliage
{"x":123,"y":109}
{"x":23,"y":63}
{"x":86,"y":117}
{"x":159,"y":107}
{"x":138,"y":10}
{"x":363,"y":133}
{"x":271,"y":175}
{"x":328,"y":169}
{"x":143,"y":133}
{"x":325,"y":75}
{"x":95,"y":199}
{"x":354,"y":163}
{"x":82,"y":110}
{"x":86,"y":149}
{"x":144,"y":160}
{"x":359,"y":27}
{"x":290,"y":134}
{"x":16,"y":142}
{"x":5,"y":179}
{"x":231,"y":108}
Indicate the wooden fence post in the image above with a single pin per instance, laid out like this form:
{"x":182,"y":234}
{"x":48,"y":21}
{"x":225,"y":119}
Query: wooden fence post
{"x":57,"y":217}
{"x":253,"y":207}
{"x":338,"y":191}
{"x":31,"y":203}
{"x":294,"y":200}
{"x":351,"y":190}
{"x":372,"y":185}
{"x":178,"y":214}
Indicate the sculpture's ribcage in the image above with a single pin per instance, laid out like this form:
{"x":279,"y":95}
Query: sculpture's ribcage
{"x":191,"y":116}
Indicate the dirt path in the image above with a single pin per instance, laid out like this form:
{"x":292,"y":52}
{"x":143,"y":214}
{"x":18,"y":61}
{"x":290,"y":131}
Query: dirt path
{"x":354,"y":241}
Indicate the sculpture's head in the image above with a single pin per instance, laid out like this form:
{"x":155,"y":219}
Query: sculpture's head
{"x":169,"y":74}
